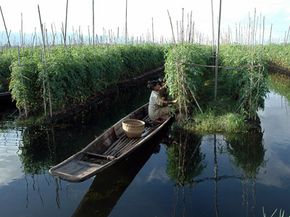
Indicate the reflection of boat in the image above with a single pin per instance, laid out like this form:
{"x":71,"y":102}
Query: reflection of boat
{"x":106,"y":189}
{"x":110,"y":147}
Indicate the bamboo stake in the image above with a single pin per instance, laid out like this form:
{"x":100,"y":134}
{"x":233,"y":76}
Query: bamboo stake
{"x":25,"y":104}
{"x":177,"y":32}
{"x":41,"y":27}
{"x":65,"y":28}
{"x":93,"y":8}
{"x":190,"y":28}
{"x":53,"y":34}
{"x":212,"y":26}
{"x":287,"y":36}
{"x":270,"y":37}
{"x":44,"y":60}
{"x":193,"y":32}
{"x":152,"y":30}
{"x":182,"y":26}
{"x":263,"y":32}
{"x":8,"y":40}
{"x":217,"y":51}
{"x":21,"y":35}
{"x":172,"y":31}
{"x":126,"y":27}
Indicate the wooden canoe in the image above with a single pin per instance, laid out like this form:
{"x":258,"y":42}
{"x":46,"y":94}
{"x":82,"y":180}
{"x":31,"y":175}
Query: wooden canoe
{"x":107,"y":149}
{"x":106,"y":189}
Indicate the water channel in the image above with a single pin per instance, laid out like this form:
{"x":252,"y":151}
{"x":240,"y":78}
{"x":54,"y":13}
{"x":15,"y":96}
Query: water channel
{"x":176,"y":174}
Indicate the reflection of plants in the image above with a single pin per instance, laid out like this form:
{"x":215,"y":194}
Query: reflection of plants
{"x":184,"y":157}
{"x":34,"y":152}
{"x":280,"y":84}
{"x":248,"y":151}
{"x":42,"y":148}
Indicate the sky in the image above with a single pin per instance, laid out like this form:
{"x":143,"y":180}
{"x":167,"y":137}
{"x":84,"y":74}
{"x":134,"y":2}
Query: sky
{"x":110,"y":14}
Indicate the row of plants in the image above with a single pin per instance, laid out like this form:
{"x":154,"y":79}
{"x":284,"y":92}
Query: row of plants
{"x":66,"y":76}
{"x":185,"y":73}
{"x":242,"y":86}
{"x":6,"y":58}
{"x":278,"y":54}
{"x":244,"y":77}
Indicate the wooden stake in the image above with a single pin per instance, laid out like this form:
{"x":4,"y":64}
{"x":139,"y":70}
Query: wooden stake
{"x":172,"y":30}
{"x":93,"y":8}
{"x":217,"y":51}
{"x":263,"y":32}
{"x":270,"y":37}
{"x":182,"y":26}
{"x":8,"y":40}
{"x":21,"y":36}
{"x":152,"y":30}
{"x":126,"y":27}
{"x":212,"y":26}
{"x":287,"y":36}
{"x":65,"y":27}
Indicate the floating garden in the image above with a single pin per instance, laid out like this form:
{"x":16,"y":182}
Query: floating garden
{"x":46,"y":83}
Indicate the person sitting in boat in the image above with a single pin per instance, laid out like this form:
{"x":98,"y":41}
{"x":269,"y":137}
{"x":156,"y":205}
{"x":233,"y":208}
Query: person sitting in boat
{"x":158,"y":109}
{"x":163,"y":89}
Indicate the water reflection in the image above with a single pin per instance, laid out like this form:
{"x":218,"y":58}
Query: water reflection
{"x":109,"y":185}
{"x":194,"y":161}
{"x":184,"y":157}
{"x":10,"y":139}
{"x":247,"y":150}
{"x":43,"y":147}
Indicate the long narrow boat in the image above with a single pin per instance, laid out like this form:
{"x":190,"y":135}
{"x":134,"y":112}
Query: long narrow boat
{"x":107,"y":149}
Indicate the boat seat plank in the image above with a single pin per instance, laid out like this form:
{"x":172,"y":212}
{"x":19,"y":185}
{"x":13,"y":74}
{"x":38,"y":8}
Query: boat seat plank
{"x":107,"y":157}
{"x":76,"y":168}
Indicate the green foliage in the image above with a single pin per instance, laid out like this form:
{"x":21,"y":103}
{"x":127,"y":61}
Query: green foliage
{"x":209,"y":122}
{"x":278,"y":54}
{"x":6,"y":57}
{"x":245,"y":76}
{"x":65,"y":77}
{"x":25,"y":86}
{"x":183,"y":78}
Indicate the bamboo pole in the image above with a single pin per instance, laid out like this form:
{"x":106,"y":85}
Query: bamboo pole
{"x":212,"y":26}
{"x":21,"y":36}
{"x":190,"y":28}
{"x":126,"y":24}
{"x":93,"y":11}
{"x":41,"y":28}
{"x":25,"y":104}
{"x":65,"y":27}
{"x":53,"y":34}
{"x":172,"y":30}
{"x":287,"y":36}
{"x":8,"y":40}
{"x":263,"y":32}
{"x":152,"y":30}
{"x":182,"y":26}
{"x":44,"y":60}
{"x":217,"y":51}
{"x":89,"y":36}
{"x":270,"y":36}
{"x":177,"y":32}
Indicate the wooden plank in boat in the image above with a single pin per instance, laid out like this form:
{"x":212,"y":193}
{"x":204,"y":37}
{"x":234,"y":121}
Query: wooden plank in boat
{"x":77,"y":168}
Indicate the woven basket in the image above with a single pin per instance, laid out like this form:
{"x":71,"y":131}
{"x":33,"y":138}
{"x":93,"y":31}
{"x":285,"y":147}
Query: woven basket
{"x":133,"y":128}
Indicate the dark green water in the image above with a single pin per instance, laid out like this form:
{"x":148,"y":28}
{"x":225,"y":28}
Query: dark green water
{"x":176,"y":174}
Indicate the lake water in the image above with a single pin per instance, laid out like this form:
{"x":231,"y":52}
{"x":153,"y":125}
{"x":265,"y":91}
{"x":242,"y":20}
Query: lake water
{"x":176,"y":174}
